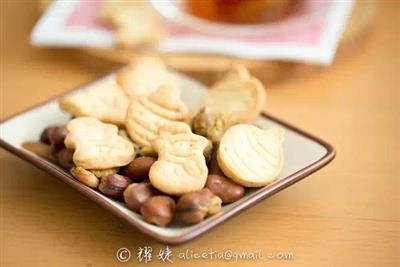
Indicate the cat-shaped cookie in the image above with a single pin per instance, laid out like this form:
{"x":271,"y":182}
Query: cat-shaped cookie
{"x":181,"y":166}
{"x":251,"y":156}
{"x":147,"y":113}
{"x":239,"y":97}
{"x":97,"y":145}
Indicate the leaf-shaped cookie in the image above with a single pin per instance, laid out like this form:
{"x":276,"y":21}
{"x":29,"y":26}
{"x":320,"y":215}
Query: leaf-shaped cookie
{"x":181,"y":166}
{"x":146,"y":114}
{"x":97,"y":145}
{"x":239,"y":96}
{"x":143,"y":76}
{"x":251,"y":156}
{"x":105,"y":101}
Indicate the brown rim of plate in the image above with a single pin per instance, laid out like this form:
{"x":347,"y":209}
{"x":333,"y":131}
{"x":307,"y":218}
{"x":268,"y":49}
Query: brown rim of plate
{"x":200,"y":228}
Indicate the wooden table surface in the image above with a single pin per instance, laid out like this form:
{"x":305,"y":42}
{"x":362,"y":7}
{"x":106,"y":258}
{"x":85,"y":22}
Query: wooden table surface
{"x":347,"y":214}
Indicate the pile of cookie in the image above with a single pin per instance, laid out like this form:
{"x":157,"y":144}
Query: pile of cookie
{"x":133,"y":139}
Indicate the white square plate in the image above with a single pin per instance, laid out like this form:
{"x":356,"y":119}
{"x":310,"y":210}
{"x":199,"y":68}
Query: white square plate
{"x":304,"y":154}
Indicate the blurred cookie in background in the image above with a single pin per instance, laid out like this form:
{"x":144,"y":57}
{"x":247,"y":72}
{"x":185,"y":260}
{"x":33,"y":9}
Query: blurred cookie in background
{"x":135,"y":22}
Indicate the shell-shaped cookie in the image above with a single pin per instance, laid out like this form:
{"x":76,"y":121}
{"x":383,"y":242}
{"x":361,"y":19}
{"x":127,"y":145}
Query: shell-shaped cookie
{"x":251,"y":156}
{"x":105,"y":101}
{"x":148,"y":113}
{"x":181,"y":166}
{"x":239,"y":96}
{"x":97,"y":145}
{"x":143,"y":76}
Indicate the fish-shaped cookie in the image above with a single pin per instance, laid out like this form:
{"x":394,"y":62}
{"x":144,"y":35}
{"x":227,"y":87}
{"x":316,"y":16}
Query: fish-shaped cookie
{"x":147,"y":113}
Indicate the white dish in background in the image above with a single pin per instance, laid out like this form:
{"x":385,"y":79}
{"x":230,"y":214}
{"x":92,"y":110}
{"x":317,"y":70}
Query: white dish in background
{"x":310,"y":35}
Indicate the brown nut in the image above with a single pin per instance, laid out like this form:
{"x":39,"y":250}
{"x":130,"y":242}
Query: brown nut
{"x":85,"y":177}
{"x":54,"y":136}
{"x":45,"y":136}
{"x":139,"y":168}
{"x":225,"y":189}
{"x":137,"y":193}
{"x":57,"y":137}
{"x":213,"y":167}
{"x":40,"y":149}
{"x":193,"y":207}
{"x":158,"y":210}
{"x":64,"y":158}
{"x":114,"y":185}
